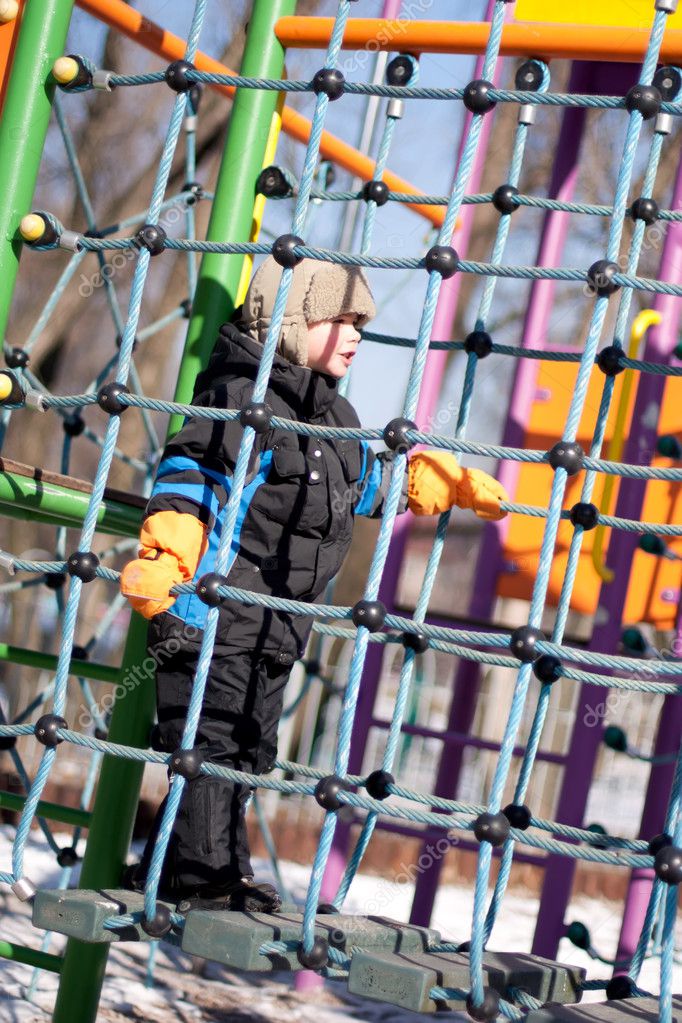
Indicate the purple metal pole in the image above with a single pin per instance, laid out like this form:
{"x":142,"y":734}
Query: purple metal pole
{"x":653,"y":816}
{"x":428,"y":398}
{"x":465,"y":689}
{"x":586,"y":738}
{"x":460,"y":739}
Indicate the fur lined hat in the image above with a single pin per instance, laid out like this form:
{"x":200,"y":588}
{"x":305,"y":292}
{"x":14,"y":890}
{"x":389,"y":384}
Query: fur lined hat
{"x":319,"y":291}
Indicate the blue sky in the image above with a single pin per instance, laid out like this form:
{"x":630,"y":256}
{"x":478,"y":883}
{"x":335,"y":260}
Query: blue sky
{"x":399,"y":294}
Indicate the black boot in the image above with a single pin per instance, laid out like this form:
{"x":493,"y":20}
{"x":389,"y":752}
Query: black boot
{"x":134,"y":879}
{"x":243,"y":895}
{"x":131,"y":879}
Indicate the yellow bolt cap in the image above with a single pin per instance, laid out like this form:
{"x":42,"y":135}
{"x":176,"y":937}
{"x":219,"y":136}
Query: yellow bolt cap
{"x":6,"y":385}
{"x":9,"y":9}
{"x":65,"y":69}
{"x":32,"y":227}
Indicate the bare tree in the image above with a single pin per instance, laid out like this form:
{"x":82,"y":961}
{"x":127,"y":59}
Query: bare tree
{"x":118,"y":138}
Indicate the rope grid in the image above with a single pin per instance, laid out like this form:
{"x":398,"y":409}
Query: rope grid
{"x":655,"y":675}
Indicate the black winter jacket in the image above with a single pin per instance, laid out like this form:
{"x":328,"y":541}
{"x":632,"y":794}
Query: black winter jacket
{"x":299,"y":500}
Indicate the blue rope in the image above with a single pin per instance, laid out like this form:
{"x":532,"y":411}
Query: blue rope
{"x":657,"y":675}
{"x":481,"y":926}
{"x":574,"y":554}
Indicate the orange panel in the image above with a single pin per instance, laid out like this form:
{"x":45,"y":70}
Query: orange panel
{"x":8,"y":41}
{"x":655,"y":582}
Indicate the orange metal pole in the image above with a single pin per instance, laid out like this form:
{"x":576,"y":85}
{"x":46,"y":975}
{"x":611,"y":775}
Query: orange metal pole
{"x":145,"y":32}
{"x":8,"y":40}
{"x":519,"y":39}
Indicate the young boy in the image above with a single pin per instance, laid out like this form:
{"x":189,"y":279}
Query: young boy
{"x":293,"y":532}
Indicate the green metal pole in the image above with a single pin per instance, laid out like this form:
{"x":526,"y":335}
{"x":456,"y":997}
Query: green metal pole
{"x":232,"y":209}
{"x":30,"y":956}
{"x":111,"y":827}
{"x":48,"y":811}
{"x":34,"y":659}
{"x":23,"y":127}
{"x":22,"y":497}
{"x":118,"y":789}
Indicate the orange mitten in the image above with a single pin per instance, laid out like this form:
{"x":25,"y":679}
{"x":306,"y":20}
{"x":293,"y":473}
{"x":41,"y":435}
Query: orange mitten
{"x":436,"y":481}
{"x":482,"y":493}
{"x":433,"y":477}
{"x":171,"y":547}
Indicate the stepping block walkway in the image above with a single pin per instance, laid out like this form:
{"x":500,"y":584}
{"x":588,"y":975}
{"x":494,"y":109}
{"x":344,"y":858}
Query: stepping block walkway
{"x":406,"y":978}
{"x":81,"y":914}
{"x":235,"y":938}
{"x":625,"y":1010}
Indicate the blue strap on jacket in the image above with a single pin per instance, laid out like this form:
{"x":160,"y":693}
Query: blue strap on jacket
{"x":188,"y":606}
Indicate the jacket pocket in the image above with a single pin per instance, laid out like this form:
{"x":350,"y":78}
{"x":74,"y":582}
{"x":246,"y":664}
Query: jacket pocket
{"x":288,"y":461}
{"x":297,"y":495}
{"x":351,"y":455}
{"x":329,"y":558}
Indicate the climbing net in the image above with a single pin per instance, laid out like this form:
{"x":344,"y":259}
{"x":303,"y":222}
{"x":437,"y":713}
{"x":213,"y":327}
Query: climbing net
{"x":526,"y":650}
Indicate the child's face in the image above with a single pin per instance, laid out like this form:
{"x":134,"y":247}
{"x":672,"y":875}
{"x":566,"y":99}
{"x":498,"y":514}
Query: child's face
{"x":332,"y":345}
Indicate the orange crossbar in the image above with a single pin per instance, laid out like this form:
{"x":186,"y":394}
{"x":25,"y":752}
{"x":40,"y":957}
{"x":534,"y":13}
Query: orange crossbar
{"x":519,"y":39}
{"x":9,"y":33}
{"x":145,"y":32}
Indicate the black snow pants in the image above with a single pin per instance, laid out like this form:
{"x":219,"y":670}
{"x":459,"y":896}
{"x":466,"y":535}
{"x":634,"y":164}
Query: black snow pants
{"x":238,"y":729}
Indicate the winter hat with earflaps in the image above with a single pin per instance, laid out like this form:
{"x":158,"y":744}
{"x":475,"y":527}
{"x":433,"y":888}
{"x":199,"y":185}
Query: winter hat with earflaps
{"x":319,"y":291}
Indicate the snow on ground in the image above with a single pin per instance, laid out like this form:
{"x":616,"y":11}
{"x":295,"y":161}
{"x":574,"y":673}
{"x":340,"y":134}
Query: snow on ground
{"x":195,"y":991}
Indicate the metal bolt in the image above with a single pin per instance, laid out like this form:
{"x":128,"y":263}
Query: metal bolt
{"x":70,"y":240}
{"x":663,"y":124}
{"x":24,"y":889}
{"x":102,"y":80}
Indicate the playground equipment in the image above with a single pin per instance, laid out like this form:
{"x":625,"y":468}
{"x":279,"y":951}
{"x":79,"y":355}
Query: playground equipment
{"x":559,"y":464}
